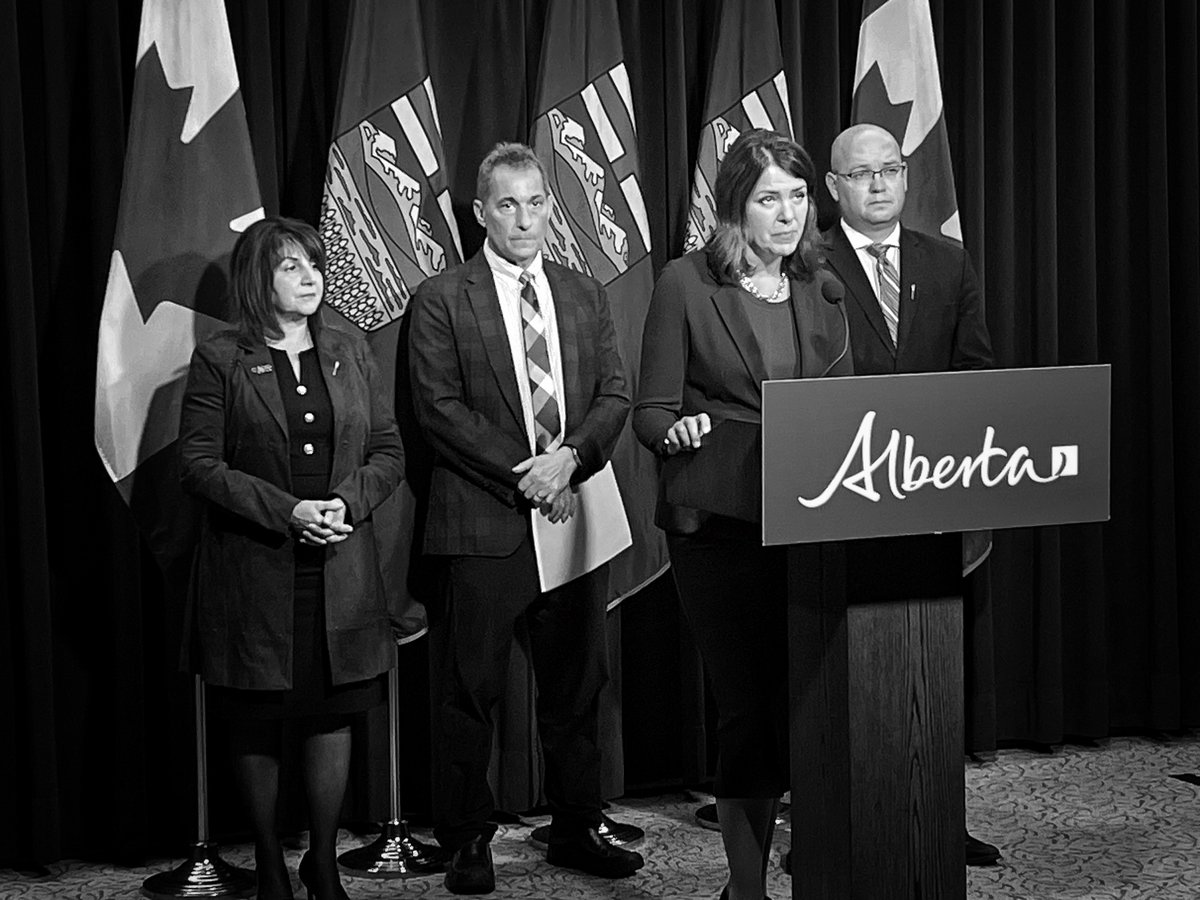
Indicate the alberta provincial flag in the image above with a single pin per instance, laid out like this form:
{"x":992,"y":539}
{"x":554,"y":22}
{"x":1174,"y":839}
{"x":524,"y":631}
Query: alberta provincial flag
{"x":897,"y":86}
{"x":189,"y":188}
{"x":388,"y":224}
{"x":585,"y":134}
{"x":746,"y":89}
{"x":386,"y":218}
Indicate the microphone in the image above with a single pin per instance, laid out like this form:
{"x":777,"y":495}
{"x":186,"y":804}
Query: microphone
{"x":833,"y":291}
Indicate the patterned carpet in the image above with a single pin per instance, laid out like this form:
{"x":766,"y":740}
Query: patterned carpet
{"x":1108,"y":822}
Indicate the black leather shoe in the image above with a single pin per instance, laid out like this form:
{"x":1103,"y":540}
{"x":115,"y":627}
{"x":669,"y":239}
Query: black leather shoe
{"x":980,"y":853}
{"x":591,"y":853}
{"x":470,"y":869}
{"x":621,"y":833}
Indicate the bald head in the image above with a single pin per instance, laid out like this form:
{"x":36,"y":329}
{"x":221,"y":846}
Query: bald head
{"x":871,"y":203}
{"x":844,"y":143}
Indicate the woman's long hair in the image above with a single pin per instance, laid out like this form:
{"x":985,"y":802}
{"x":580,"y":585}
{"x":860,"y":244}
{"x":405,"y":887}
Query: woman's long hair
{"x":256,"y":254}
{"x":751,"y":154}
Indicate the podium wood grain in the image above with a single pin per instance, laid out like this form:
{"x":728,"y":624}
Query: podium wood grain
{"x":877,"y":683}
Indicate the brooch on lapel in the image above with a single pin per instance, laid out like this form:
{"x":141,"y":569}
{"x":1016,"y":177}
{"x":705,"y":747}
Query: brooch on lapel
{"x":263,"y":369}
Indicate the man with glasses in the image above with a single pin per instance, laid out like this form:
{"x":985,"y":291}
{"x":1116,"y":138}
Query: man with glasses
{"x":912,"y":300}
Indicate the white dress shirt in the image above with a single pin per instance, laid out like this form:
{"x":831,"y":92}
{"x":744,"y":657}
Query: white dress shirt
{"x":507,"y":278}
{"x":860,"y":242}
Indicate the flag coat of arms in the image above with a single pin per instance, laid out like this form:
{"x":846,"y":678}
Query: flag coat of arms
{"x":746,"y":89}
{"x":189,"y":188}
{"x":585,"y":135}
{"x":387,"y":224}
{"x":386,"y":217}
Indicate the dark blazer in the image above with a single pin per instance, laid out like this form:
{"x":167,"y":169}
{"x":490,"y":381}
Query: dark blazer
{"x":699,"y":354}
{"x":467,"y":402}
{"x":233,"y":444}
{"x":942,"y":327}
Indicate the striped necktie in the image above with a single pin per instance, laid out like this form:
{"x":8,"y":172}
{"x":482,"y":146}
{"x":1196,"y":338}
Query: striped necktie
{"x":546,"y":424}
{"x":889,"y":288}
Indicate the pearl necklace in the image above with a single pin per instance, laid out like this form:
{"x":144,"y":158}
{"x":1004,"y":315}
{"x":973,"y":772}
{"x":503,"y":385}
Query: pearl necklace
{"x":748,"y":285}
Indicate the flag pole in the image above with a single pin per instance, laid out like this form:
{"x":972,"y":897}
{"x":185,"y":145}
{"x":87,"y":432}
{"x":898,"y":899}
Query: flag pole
{"x":203,"y":873}
{"x":395,"y":853}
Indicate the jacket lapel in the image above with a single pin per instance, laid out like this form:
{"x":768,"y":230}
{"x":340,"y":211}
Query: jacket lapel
{"x":913,"y":272}
{"x":804,"y":312}
{"x":260,"y":373}
{"x":733,"y":314}
{"x":843,"y":259}
{"x":333,"y":368}
{"x":567,"y":322}
{"x":485,"y":304}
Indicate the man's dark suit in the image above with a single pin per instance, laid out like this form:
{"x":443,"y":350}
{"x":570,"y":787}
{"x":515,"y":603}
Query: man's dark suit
{"x":941,"y":311}
{"x":467,"y":402}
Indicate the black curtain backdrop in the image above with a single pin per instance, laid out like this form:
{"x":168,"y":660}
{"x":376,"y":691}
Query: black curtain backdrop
{"x":1073,"y":131}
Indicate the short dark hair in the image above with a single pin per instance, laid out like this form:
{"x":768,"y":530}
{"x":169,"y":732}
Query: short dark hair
{"x":749,"y":156}
{"x":516,"y":156}
{"x":257,"y":252}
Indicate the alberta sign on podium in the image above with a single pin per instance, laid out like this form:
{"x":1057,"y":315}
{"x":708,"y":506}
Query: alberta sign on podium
{"x":869,"y":481}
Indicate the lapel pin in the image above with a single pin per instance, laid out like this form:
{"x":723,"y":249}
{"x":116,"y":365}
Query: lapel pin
{"x":336,"y":363}
{"x":263,"y":369}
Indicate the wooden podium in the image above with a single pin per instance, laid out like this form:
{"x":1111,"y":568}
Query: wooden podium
{"x":876,"y":625}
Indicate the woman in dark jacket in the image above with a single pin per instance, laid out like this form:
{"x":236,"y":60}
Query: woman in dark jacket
{"x":746,"y":308}
{"x":287,"y":433}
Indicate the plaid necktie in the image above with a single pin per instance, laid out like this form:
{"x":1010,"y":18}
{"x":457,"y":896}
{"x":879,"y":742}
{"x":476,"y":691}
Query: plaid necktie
{"x":889,"y":288}
{"x":537,"y":360}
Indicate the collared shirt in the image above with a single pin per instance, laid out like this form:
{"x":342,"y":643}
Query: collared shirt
{"x":860,"y":242}
{"x":507,"y":278}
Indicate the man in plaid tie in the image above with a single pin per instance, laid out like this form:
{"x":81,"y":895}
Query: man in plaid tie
{"x":914,"y":305}
{"x":518,"y":388}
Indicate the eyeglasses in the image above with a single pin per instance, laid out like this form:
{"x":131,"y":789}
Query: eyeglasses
{"x":863,"y":177}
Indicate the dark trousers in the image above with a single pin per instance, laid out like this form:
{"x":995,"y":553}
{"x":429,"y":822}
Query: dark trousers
{"x":469,"y":656}
{"x":734,"y":592}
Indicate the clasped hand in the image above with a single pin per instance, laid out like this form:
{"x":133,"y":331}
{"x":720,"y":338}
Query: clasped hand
{"x":546,"y":483}
{"x":686,"y":433}
{"x":321,"y":522}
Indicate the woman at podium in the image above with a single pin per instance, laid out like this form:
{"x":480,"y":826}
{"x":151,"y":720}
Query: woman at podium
{"x":289,"y":439}
{"x":751,"y":305}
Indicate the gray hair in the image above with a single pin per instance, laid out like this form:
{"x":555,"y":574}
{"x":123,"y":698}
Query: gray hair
{"x":513,"y":155}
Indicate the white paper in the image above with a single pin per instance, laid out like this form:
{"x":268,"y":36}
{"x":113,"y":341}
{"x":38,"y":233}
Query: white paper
{"x":597,"y":532}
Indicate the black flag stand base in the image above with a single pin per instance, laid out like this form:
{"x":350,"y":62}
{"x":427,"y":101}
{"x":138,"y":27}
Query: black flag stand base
{"x":203,"y":873}
{"x":395,"y":853}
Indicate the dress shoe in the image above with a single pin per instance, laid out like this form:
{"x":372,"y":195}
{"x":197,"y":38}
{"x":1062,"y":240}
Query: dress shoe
{"x":588,"y":852}
{"x":980,"y":853}
{"x":470,"y":870}
{"x":621,"y":833}
{"x":308,"y":877}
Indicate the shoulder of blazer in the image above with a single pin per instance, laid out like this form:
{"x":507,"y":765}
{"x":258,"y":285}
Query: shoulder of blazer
{"x":938,"y":248}
{"x":453,"y":281}
{"x":336,"y":335}
{"x":691,"y":274}
{"x":571,"y":279}
{"x":224,"y":346}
